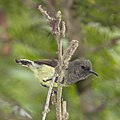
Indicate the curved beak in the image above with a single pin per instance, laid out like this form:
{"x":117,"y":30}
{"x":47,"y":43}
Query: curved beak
{"x":93,"y":73}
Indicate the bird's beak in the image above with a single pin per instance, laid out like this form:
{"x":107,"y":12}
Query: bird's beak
{"x":93,"y":73}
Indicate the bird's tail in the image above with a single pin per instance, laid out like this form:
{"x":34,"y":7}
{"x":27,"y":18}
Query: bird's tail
{"x":24,"y":62}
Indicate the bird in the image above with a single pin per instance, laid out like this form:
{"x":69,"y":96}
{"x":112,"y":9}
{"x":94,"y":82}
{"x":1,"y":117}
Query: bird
{"x":44,"y":70}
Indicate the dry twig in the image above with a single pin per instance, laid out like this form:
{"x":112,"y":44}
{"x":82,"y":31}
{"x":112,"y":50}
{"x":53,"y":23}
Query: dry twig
{"x":46,"y":108}
{"x":65,"y":115}
{"x":60,"y":65}
{"x":59,"y":29}
{"x":69,"y":52}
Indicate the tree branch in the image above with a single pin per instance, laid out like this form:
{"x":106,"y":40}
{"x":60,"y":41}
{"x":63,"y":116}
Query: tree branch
{"x":46,"y":108}
{"x":59,"y":29}
{"x":69,"y":52}
{"x":60,"y":65}
{"x":65,"y":113}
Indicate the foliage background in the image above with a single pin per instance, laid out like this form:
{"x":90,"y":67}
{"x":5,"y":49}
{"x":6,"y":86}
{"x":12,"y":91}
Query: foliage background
{"x":24,"y":33}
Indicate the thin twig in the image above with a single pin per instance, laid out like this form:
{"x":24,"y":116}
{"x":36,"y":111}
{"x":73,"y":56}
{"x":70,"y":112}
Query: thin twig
{"x":58,"y":29}
{"x":65,"y":115}
{"x":58,"y":18}
{"x":61,"y":72}
{"x":64,"y":63}
{"x":45,"y":13}
{"x":55,"y":24}
{"x":69,"y":52}
{"x":46,"y":108}
{"x":63,"y":29}
{"x":52,"y":23}
{"x":59,"y":94}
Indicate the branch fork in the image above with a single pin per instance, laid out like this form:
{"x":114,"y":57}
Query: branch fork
{"x":59,"y":29}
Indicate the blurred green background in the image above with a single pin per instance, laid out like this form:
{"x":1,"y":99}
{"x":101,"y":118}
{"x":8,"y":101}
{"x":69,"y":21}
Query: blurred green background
{"x":25,"y":33}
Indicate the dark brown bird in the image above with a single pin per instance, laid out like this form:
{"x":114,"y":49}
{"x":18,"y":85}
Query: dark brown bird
{"x":77,"y":70}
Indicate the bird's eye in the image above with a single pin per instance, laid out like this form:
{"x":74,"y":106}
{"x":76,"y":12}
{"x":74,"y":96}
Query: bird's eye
{"x":83,"y":67}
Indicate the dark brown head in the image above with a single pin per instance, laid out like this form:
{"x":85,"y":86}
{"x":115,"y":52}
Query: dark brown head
{"x":83,"y":68}
{"x":86,"y":67}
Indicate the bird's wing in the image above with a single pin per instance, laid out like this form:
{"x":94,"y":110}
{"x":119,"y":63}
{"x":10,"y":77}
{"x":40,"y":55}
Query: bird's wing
{"x":52,"y":63}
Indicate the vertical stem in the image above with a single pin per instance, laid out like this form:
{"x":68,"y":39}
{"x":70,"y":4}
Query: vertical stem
{"x":58,"y":107}
{"x":46,"y":108}
{"x":59,"y":88}
{"x":65,"y":115}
